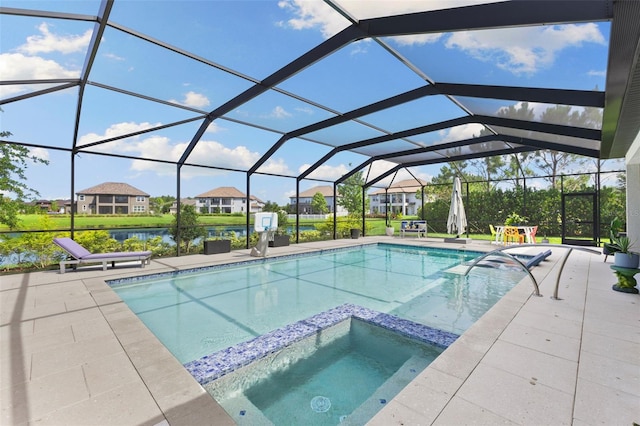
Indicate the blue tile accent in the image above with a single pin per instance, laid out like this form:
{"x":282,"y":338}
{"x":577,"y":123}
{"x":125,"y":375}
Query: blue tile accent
{"x":216,"y":365}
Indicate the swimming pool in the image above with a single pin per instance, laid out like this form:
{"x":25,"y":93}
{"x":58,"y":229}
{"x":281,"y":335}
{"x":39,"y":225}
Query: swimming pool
{"x":197,"y":313}
{"x":226,"y":319}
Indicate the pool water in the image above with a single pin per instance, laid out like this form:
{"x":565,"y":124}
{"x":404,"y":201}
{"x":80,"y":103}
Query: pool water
{"x":342,"y":375}
{"x":196,"y":314}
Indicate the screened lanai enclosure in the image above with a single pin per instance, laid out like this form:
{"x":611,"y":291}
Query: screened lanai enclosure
{"x":272,"y":97}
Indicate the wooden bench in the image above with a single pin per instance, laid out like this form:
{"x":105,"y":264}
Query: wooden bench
{"x":418,"y":227}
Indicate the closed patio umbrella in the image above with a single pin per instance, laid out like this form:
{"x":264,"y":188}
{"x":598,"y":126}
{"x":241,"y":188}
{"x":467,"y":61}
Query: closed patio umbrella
{"x":457,"y":220}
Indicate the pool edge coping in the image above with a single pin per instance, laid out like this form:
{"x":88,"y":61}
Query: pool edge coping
{"x":220,"y":363}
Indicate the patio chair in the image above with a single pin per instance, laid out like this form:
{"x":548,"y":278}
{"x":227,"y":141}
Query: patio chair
{"x":532,"y":234}
{"x":496,"y":236}
{"x":511,"y":233}
{"x":81,"y":255}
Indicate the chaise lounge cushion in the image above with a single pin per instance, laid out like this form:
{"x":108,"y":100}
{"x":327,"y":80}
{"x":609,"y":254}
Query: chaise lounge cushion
{"x":82,"y":255}
{"x":71,"y":247}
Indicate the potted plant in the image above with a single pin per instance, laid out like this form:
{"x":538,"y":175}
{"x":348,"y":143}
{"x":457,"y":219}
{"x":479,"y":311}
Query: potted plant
{"x":614,"y":232}
{"x":515,"y":219}
{"x":281,"y":238}
{"x":389,"y":228}
{"x":624,"y":257}
{"x":217,"y":245}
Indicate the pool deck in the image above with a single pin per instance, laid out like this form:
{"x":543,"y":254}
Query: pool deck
{"x":72,"y":353}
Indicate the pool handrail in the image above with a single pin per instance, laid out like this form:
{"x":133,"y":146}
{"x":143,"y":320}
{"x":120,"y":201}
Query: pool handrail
{"x":501,"y":252}
{"x":569,"y":248}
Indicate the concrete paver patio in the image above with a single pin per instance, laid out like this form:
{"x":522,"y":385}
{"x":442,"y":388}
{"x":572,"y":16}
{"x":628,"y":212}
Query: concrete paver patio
{"x":72,"y":353}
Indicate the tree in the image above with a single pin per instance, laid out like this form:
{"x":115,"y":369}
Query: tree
{"x":554,"y":162}
{"x":15,"y":160}
{"x":350,"y":194}
{"x":271,"y":206}
{"x":283,"y":217}
{"x":189,"y":228}
{"x":161,"y":204}
{"x":489,"y":168}
{"x":319,"y":204}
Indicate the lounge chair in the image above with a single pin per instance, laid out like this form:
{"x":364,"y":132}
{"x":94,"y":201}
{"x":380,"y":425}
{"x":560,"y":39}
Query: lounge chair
{"x":501,"y":262}
{"x":535,"y":260}
{"x":81,"y":255}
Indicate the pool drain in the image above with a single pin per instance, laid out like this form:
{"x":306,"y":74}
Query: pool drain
{"x":320,"y":404}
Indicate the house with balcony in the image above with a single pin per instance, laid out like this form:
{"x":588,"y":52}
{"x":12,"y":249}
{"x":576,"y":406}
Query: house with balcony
{"x":227,"y":199}
{"x":400,"y":197}
{"x":112,"y":198}
{"x":303,"y":204}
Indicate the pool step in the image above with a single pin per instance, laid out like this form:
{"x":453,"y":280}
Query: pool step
{"x":418,"y":292}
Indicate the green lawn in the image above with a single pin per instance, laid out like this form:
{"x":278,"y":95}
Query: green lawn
{"x":33,"y":221}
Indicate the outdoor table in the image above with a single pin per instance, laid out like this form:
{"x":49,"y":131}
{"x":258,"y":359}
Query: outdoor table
{"x":525,"y":230}
{"x":626,"y":282}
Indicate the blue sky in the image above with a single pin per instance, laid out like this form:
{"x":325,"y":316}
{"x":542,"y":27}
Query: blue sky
{"x":254,"y":39}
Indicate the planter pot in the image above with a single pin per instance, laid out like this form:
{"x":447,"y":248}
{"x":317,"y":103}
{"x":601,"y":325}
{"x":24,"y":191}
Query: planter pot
{"x":627,"y":260}
{"x":389,"y":231}
{"x":217,"y":246}
{"x":279,"y":241}
{"x":355,"y":233}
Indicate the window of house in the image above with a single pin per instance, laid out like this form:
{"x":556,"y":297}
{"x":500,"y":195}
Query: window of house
{"x":121,"y":199}
{"x":81,"y":198}
{"x":138,"y":209}
{"x":105,"y":209}
{"x":84,"y":207}
{"x":105,"y":198}
{"x":140,"y":199}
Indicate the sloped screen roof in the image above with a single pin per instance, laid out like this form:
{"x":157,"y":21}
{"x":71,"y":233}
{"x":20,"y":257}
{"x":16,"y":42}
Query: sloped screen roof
{"x":288,"y":87}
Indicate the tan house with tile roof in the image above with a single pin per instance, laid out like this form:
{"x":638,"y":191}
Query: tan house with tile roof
{"x":402,"y":198}
{"x":304,"y":202}
{"x":112,"y":198}
{"x":227,"y":199}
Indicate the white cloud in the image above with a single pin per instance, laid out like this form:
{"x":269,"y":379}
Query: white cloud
{"x":278,"y":112}
{"x":417,"y":39}
{"x":457,"y":133}
{"x":275,"y":166}
{"x":304,"y":110}
{"x":115,"y":130}
{"x":325,"y":171}
{"x":524,"y":50}
{"x":373,"y":9}
{"x":48,"y":42}
{"x":206,"y":152}
{"x":193,"y":99}
{"x":595,"y":73}
{"x":316,"y":14}
{"x":312,"y":15}
{"x":381,"y":166}
{"x":214,"y":127}
{"x":113,"y":56}
{"x":16,"y":66}
{"x":41,"y":153}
